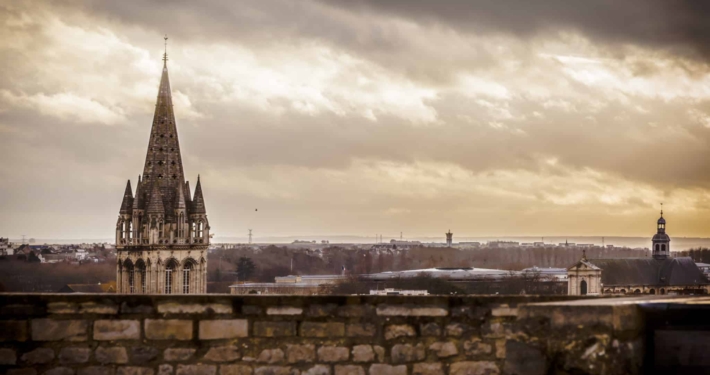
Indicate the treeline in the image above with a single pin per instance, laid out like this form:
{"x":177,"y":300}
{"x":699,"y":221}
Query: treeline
{"x":699,"y":255}
{"x":23,"y":276}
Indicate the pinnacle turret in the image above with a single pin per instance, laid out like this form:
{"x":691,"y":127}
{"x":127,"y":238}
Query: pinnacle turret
{"x":127,"y":204}
{"x":198,"y":202}
{"x":180,"y":199}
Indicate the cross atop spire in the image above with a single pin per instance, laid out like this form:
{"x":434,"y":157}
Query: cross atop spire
{"x":661,"y":209}
{"x":165,"y":55}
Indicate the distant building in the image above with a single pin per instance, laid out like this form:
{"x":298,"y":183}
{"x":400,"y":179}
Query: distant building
{"x":398,"y":292}
{"x":660,"y":274}
{"x":449,"y":238}
{"x":4,"y":246}
{"x":109,"y":287}
{"x":503,"y":244}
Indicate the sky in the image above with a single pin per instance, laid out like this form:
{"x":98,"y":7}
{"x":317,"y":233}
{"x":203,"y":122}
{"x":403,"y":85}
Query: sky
{"x":355,"y":117}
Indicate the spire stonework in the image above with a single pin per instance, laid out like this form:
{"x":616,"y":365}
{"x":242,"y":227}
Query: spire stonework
{"x":161,"y":239}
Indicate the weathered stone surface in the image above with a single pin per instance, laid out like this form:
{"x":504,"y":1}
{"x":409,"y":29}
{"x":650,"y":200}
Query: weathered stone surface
{"x":252,"y":310}
{"x":457,"y":329}
{"x":23,"y":310}
{"x":284,"y":310}
{"x":380,"y":353}
{"x":38,"y":356}
{"x":196,"y":370}
{"x":270,"y":356}
{"x":178,"y":354}
{"x":430,"y":329}
{"x":7,"y":356}
{"x":194,"y":308}
{"x":329,"y":329}
{"x":521,"y":358}
{"x":382,"y":369}
{"x":427,"y":368}
{"x":96,"y":370}
{"x":103,"y":307}
{"x":355,"y":311}
{"x":56,"y":330}
{"x":168,"y":329}
{"x":476,"y":347}
{"x":105,"y":330}
{"x":56,"y":371}
{"x":143,"y":354}
{"x":363,"y":353}
{"x":62,"y":308}
{"x":13,"y":330}
{"x":300,"y":353}
{"x":478,"y":313}
{"x":411,"y":310}
{"x":322,"y":310}
{"x":223,"y":329}
{"x":496,"y":329}
{"x":165,"y":369}
{"x":360,"y":330}
{"x":127,"y":308}
{"x":134,"y":370}
{"x":317,"y":370}
{"x":444,"y":349}
{"x":74,"y":355}
{"x":333,"y":354}
{"x":399,"y":330}
{"x":22,"y":371}
{"x":105,"y":355}
{"x":500,"y":348}
{"x":235,"y":370}
{"x":223,"y":354}
{"x":274,"y":329}
{"x":272,"y":370}
{"x":504,"y":310}
{"x":403,"y":353}
{"x":474,"y":368}
{"x":349,"y":370}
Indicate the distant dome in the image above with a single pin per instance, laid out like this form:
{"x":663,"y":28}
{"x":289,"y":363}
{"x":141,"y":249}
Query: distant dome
{"x":661,"y":220}
{"x":661,"y":237}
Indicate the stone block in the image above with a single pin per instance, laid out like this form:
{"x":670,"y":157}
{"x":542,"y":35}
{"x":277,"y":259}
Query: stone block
{"x":522,"y":358}
{"x":196,"y":370}
{"x":165,"y":369}
{"x":411,"y":310}
{"x":13,"y":330}
{"x":71,"y":355}
{"x":272,"y":370}
{"x":430,"y":329}
{"x":8,"y":356}
{"x":56,"y":371}
{"x":363,"y":353}
{"x":504,"y":310}
{"x":428,"y":368}
{"x":168,"y":329}
{"x":96,"y":370}
{"x":403,"y":353}
{"x":226,"y":353}
{"x":194,"y":308}
{"x":57,"y":330}
{"x":300,"y":353}
{"x":235,"y":370}
{"x":329,"y":329}
{"x":496,"y":329}
{"x":444,"y":349}
{"x":349,"y":370}
{"x":110,"y":330}
{"x":317,"y":370}
{"x":355,"y":311}
{"x":134,"y":370}
{"x":38,"y":356}
{"x":104,"y":308}
{"x":284,"y":310}
{"x":360,"y":330}
{"x":382,"y":369}
{"x":270,"y":356}
{"x":223,"y":329}
{"x":143,"y":354}
{"x":322,"y":310}
{"x":22,"y":310}
{"x":127,"y":308}
{"x":457,"y":329}
{"x":23,"y":371}
{"x":474,"y":368}
{"x":178,"y":354}
{"x":380,"y":353}
{"x":252,"y":310}
{"x":333,"y":354}
{"x":399,"y":330}
{"x":105,"y":355}
{"x":274,"y":329}
{"x":62,"y":308}
{"x":477,"y":348}
{"x":500,"y":348}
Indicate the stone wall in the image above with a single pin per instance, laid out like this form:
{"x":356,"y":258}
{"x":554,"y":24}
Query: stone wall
{"x":313,"y":335}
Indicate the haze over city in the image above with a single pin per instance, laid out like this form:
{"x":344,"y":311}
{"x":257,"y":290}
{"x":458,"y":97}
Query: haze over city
{"x":357,"y":118}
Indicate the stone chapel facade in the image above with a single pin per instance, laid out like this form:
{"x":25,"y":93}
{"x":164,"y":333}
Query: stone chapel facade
{"x":162,"y":234}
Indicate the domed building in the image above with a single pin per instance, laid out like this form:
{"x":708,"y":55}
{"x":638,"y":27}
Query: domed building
{"x":659,"y":274}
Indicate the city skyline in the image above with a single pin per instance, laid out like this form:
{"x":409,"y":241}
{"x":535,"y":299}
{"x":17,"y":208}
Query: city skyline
{"x":357,"y":118}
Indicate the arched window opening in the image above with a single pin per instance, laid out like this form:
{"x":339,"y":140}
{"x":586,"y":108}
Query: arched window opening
{"x":169,"y":277}
{"x":130,"y":273}
{"x":663,"y":291}
{"x":583,"y":288}
{"x":663,"y":247}
{"x":652,"y":291}
{"x":140,"y":268}
{"x":658,"y":248}
{"x":637,"y":291}
{"x":186,"y":278}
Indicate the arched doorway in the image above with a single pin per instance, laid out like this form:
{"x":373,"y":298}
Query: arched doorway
{"x":583,"y":288}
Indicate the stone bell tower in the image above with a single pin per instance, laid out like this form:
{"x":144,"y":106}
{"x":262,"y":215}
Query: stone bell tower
{"x":162,"y":234}
{"x":661,"y":242}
